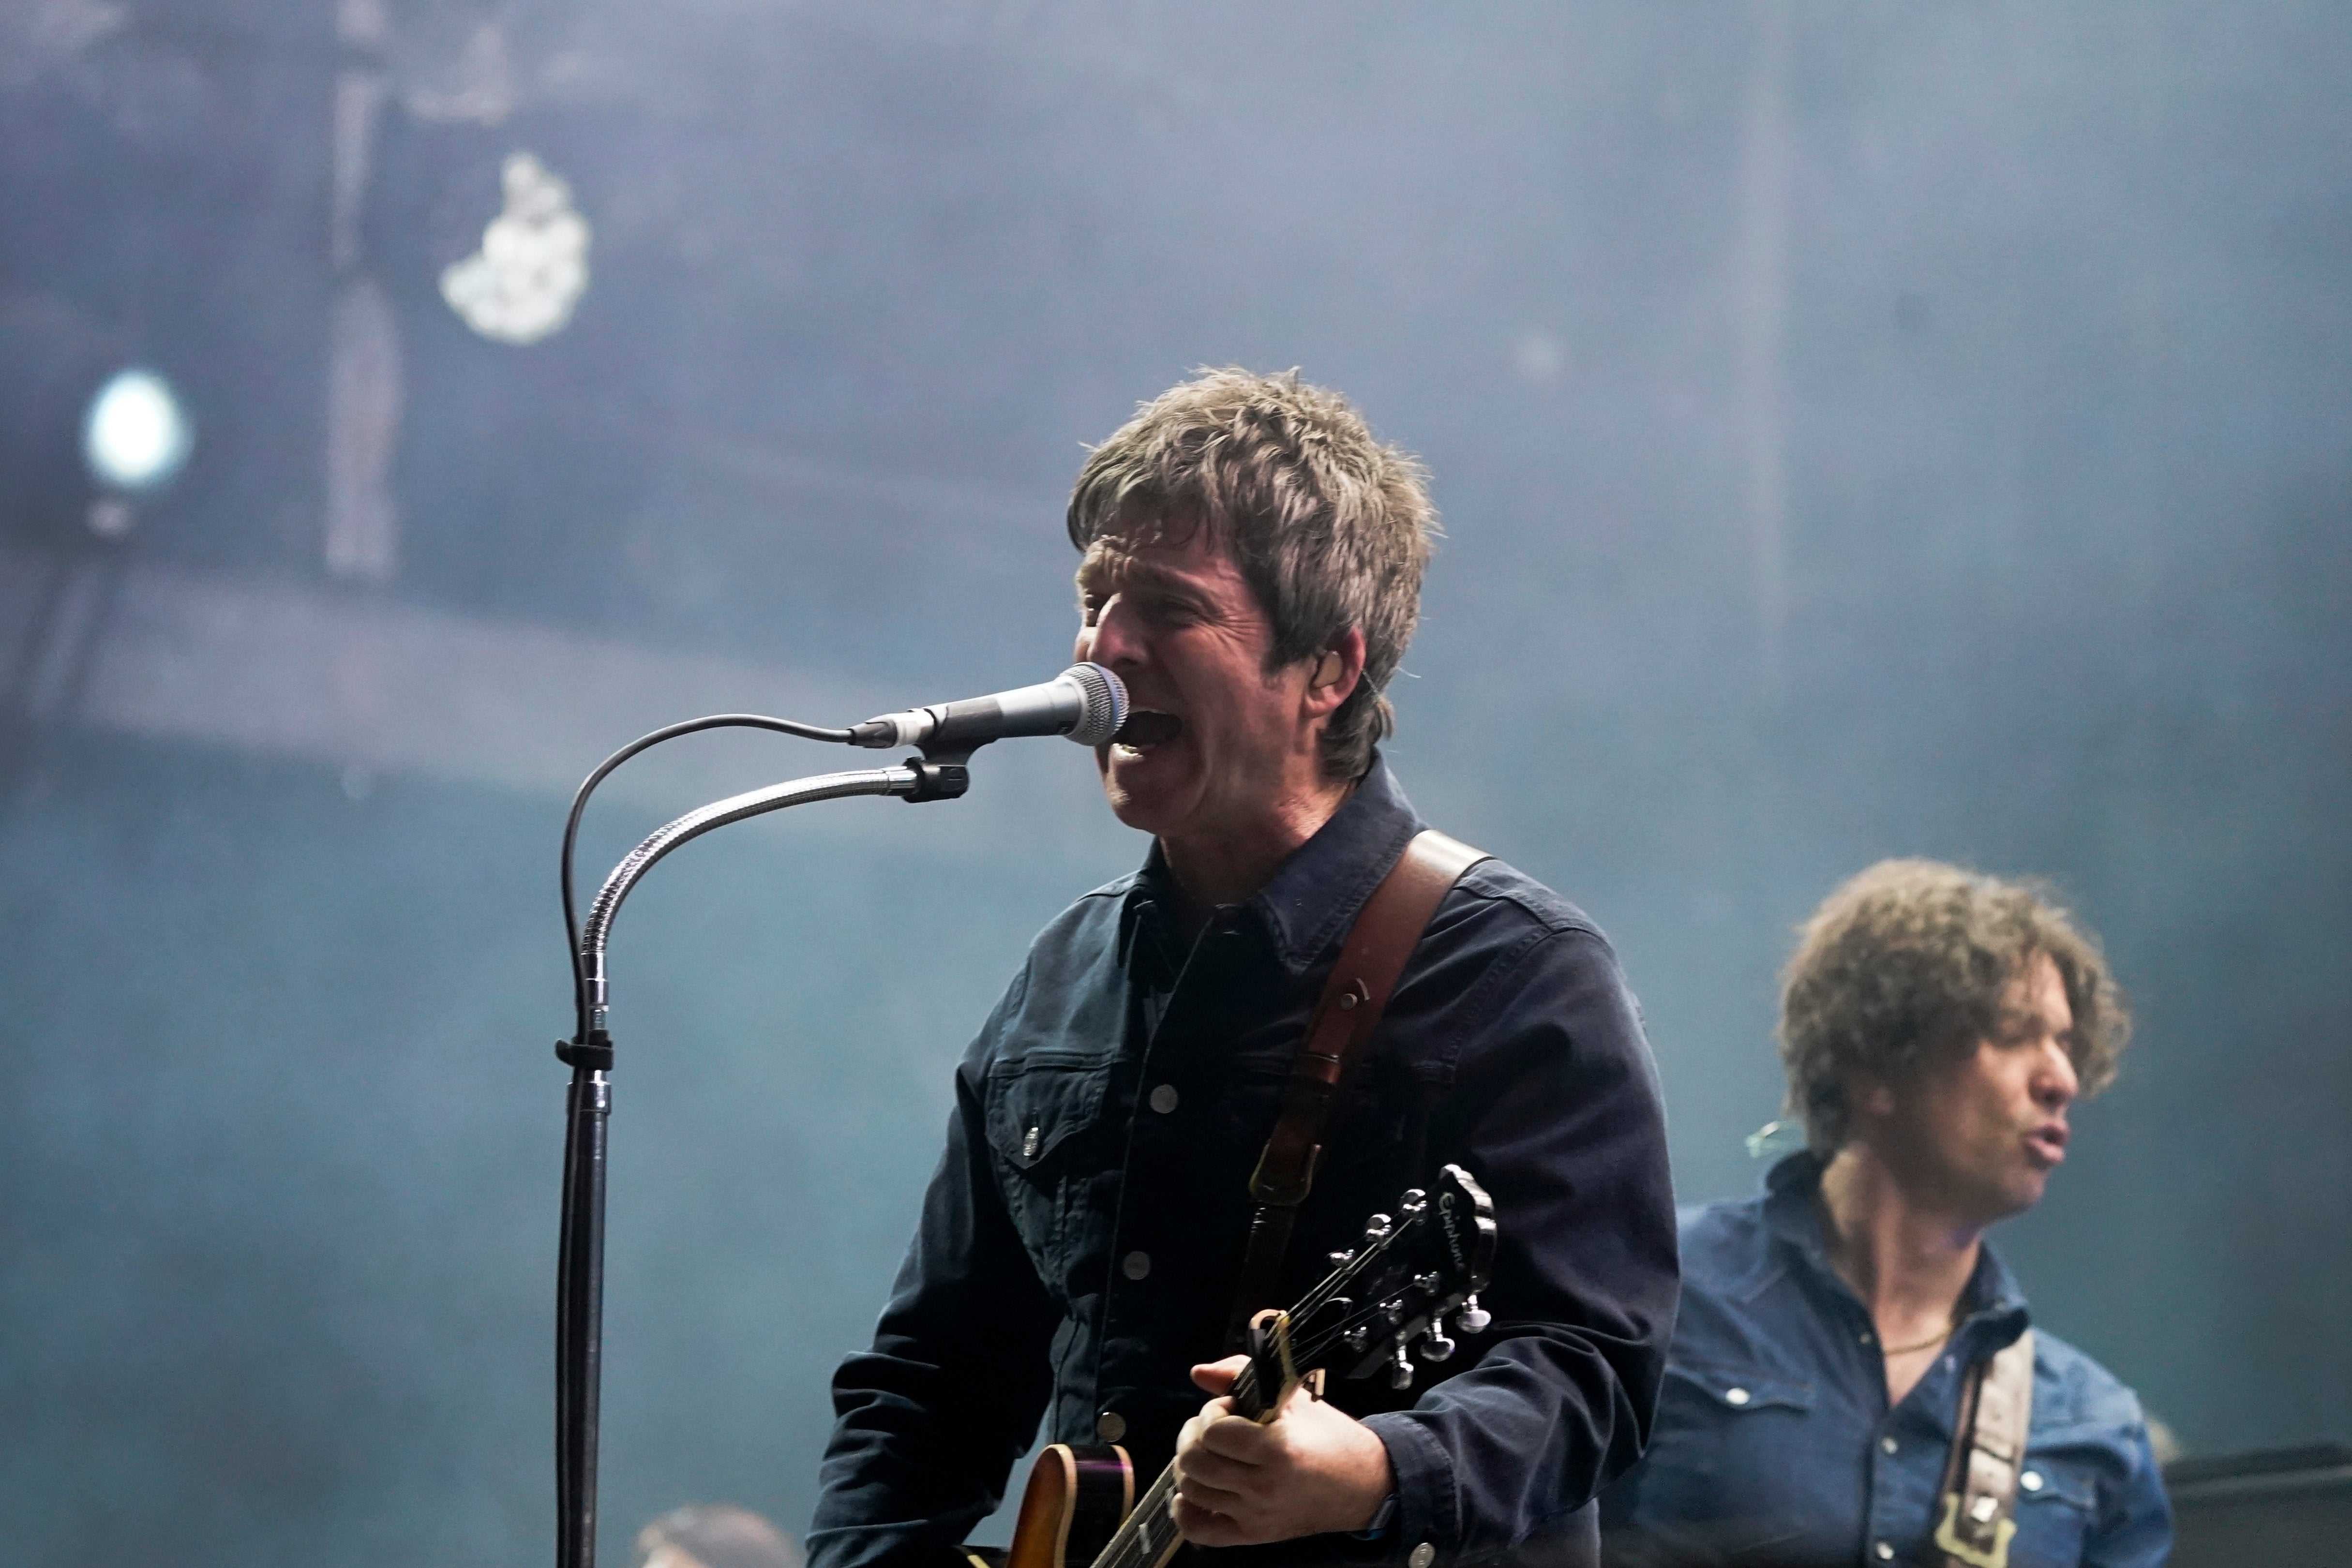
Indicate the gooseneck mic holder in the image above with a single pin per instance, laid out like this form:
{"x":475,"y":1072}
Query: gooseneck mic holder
{"x":947,"y":738}
{"x":579,"y":1255}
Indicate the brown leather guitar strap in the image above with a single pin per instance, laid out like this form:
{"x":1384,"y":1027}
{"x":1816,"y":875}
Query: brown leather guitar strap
{"x":1977,"y":1504}
{"x":1385,"y":933}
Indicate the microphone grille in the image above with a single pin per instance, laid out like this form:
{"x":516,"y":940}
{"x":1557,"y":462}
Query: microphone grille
{"x":1105,"y":696}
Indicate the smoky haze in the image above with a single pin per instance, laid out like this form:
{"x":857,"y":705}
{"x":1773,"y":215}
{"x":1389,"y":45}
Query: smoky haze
{"x":1861,"y":431}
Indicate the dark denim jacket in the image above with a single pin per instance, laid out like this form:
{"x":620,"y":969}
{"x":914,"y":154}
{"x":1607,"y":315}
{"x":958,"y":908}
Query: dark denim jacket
{"x":1078,"y":1247}
{"x":1775,"y":1445}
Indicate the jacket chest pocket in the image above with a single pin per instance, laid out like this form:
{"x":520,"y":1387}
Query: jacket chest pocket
{"x":1043,"y":1115}
{"x":1734,"y":1452}
{"x":1732,"y":1394}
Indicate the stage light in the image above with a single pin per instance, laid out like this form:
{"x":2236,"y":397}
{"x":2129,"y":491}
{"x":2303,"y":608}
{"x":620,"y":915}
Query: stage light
{"x":136,"y":436}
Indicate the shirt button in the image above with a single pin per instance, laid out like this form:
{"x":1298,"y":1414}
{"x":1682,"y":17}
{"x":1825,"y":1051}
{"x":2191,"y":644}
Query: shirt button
{"x":1887,"y":1444}
{"x":1885,"y":1553}
{"x":1865,"y":1336}
{"x":1163,"y":1099}
{"x":1135,"y":1264}
{"x":2030,"y":1480}
{"x":1110,"y":1426}
{"x":1422,"y":1556}
{"x":1735,"y":1397}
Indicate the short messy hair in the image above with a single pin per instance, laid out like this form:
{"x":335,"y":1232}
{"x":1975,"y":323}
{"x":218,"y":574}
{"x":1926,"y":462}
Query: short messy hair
{"x":1330,"y":527}
{"x":715,"y":1535}
{"x":1910,"y":962}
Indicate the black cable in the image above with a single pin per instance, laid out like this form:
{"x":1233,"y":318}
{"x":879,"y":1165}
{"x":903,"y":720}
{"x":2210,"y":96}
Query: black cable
{"x":588,"y":787}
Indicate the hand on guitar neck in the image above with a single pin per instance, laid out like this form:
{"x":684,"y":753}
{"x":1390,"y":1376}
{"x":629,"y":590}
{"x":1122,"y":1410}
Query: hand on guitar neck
{"x":1267,"y":1459}
{"x":1306,"y":1467}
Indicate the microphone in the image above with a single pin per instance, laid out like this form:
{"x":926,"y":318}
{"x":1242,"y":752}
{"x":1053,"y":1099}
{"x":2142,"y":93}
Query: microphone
{"x":1085,"y":702}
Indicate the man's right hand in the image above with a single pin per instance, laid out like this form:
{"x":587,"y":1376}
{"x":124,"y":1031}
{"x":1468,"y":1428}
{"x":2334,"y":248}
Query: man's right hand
{"x":1313,"y":1469}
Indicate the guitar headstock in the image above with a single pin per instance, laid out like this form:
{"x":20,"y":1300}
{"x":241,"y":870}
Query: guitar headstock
{"x":1389,"y":1298}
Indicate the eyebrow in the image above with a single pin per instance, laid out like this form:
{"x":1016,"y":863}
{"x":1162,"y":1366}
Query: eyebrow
{"x":1137,"y":574}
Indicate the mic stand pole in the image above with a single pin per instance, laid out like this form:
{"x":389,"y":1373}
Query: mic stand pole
{"x":580,"y":1256}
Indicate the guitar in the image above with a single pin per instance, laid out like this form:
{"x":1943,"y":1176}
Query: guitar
{"x":1383,"y":1303}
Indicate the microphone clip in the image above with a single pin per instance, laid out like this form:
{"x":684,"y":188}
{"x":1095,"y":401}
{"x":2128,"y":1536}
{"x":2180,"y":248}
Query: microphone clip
{"x":943,"y":774}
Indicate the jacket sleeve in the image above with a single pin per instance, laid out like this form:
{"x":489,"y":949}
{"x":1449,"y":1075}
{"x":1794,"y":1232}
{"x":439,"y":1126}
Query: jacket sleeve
{"x":928,"y":1421}
{"x":1555,"y":1108}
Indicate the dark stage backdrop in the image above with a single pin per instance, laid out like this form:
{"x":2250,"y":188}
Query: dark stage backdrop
{"x":1861,"y":431}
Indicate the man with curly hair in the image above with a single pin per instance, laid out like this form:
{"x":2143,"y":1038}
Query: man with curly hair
{"x":1841,"y":1336}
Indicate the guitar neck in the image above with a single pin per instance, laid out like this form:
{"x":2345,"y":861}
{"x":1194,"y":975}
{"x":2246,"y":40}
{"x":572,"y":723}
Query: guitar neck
{"x":1148,"y":1537}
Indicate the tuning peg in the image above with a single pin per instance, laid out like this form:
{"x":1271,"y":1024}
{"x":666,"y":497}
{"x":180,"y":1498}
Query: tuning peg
{"x":1473,"y":1318}
{"x":1427,"y":1283}
{"x":1401,"y":1370}
{"x":1437,"y":1347}
{"x":1414,"y":1201}
{"x":1342,"y":1258}
{"x":1358,"y":1337}
{"x":1378,"y":1226}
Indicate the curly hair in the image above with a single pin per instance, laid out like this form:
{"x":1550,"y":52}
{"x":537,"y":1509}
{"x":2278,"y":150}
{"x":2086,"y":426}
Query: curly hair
{"x":1910,"y":962}
{"x":1331,"y":528}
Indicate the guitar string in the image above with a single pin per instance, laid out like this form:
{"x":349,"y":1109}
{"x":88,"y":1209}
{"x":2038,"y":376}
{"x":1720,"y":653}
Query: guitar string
{"x":1137,"y":1542}
{"x":1152,"y":1508}
{"x":1140,"y":1525}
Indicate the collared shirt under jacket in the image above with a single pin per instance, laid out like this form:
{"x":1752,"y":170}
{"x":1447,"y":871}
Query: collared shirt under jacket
{"x":1775,"y":1444}
{"x":1078,"y":1248}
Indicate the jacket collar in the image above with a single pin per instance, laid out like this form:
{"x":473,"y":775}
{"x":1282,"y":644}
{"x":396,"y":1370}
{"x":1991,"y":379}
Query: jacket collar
{"x":1792,"y":1216}
{"x":1307,"y":905}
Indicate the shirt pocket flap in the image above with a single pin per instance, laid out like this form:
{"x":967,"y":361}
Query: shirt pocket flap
{"x":2056,"y":1478}
{"x":1745,"y":1388}
{"x":1038,"y":1102}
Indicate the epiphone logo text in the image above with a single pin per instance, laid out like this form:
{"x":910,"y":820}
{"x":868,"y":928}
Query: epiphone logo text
{"x":1455,"y":1245}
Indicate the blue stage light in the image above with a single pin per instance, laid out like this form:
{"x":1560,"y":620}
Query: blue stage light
{"x":136,"y":436}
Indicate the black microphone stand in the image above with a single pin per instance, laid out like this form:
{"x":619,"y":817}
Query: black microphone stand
{"x":937,"y":775}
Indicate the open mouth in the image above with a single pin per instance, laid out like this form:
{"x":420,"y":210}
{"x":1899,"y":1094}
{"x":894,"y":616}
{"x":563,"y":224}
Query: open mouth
{"x":1147,"y":727}
{"x":2048,"y":1143}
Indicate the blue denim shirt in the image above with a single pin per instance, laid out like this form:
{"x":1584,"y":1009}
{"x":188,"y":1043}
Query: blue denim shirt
{"x":1079,"y":1248}
{"x":1774,"y":1443}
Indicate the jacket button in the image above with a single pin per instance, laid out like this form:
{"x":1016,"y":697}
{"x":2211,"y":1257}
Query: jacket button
{"x":1135,"y":1264}
{"x":1110,"y":1426}
{"x":2030,"y":1480}
{"x":1422,"y":1556}
{"x":1885,"y":1553}
{"x":1163,"y":1099}
{"x":1735,"y":1397}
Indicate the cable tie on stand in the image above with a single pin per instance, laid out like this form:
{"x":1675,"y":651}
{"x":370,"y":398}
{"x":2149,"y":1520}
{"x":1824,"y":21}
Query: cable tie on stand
{"x":596,"y":1055}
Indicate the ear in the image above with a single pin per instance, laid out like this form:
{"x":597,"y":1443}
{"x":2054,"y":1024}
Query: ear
{"x":1870,"y":1096}
{"x":1333,"y":673}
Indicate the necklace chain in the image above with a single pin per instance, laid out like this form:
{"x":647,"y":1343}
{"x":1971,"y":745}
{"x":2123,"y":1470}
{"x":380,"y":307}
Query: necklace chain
{"x":1923,"y":1345}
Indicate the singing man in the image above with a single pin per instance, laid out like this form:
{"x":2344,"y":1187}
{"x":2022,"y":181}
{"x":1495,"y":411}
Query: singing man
{"x":1251,"y":566}
{"x":1855,"y":1378}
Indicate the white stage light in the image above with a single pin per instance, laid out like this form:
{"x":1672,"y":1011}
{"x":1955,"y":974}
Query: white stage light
{"x":136,"y":436}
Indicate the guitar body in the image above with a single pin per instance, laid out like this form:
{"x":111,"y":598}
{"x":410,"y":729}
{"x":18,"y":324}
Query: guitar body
{"x":1077,"y":1497}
